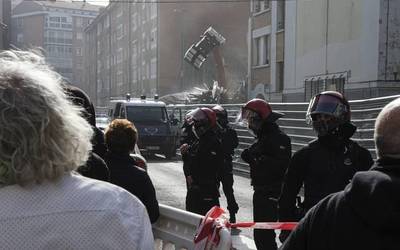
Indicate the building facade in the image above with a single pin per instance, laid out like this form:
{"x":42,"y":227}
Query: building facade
{"x":350,"y":46}
{"x":56,"y":27}
{"x":140,"y":47}
{"x":5,"y":21}
{"x":266,"y":49}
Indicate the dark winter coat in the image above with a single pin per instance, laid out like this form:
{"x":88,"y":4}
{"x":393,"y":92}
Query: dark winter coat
{"x":268,"y":158}
{"x":204,"y":161}
{"x":366,"y":215}
{"x":126,"y":174}
{"x":229,"y":141}
{"x":325,"y":166}
{"x":95,"y":168}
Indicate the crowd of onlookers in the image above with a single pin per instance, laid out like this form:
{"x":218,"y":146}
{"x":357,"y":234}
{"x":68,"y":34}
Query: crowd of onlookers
{"x":66,"y":185}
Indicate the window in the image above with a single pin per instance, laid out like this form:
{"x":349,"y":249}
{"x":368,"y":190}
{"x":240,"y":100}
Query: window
{"x":134,"y":21}
{"x":79,"y":36}
{"x":153,"y":38}
{"x":98,"y":66}
{"x":153,"y":67}
{"x":120,"y":31}
{"x":260,"y":5}
{"x":119,"y":11}
{"x":153,"y":10}
{"x":20,"y":38}
{"x":20,"y":22}
{"x":78,"y":51}
{"x":279,"y":76}
{"x":99,"y":28}
{"x":143,"y":41}
{"x":107,"y":22}
{"x":120,"y":54}
{"x":280,"y":15}
{"x":78,"y":22}
{"x":139,"y":114}
{"x":261,"y":51}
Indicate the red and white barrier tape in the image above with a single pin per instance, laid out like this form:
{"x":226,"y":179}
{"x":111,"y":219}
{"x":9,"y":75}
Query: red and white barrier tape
{"x":207,"y":234}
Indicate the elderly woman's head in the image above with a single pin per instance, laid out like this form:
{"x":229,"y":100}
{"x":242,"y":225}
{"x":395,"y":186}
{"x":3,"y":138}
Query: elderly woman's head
{"x":42,"y":134}
{"x":387,"y":132}
{"x":121,"y":136}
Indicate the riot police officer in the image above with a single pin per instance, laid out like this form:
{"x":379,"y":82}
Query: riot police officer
{"x":268,"y":158}
{"x":204,"y":160}
{"x":186,"y":139}
{"x":326,"y":165}
{"x":229,"y":142}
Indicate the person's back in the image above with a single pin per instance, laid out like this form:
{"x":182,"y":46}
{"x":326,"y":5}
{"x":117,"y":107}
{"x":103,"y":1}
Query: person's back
{"x":364,"y":216}
{"x":126,"y":174}
{"x":45,"y":204}
{"x":121,"y":136}
{"x":75,"y":213}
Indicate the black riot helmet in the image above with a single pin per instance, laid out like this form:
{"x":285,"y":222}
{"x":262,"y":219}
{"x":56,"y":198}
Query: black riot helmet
{"x":222,"y":115}
{"x":202,"y":120}
{"x":327,"y":111}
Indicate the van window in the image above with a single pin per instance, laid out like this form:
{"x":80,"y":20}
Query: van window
{"x":143,"y":114}
{"x":117,"y":110}
{"x":122,"y":112}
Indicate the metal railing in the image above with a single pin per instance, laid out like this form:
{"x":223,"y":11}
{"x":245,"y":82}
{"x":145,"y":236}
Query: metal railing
{"x":175,"y":229}
{"x":364,"y":113}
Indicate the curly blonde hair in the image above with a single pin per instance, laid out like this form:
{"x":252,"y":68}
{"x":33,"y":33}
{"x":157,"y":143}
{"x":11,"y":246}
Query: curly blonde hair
{"x":121,"y":136}
{"x":42,"y":134}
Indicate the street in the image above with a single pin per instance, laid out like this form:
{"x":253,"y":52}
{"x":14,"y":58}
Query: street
{"x":169,"y":182}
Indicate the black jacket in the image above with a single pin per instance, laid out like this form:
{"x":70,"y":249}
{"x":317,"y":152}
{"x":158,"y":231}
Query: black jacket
{"x":229,"y":141}
{"x":95,"y":168}
{"x":268,"y":157}
{"x":126,"y":174}
{"x":325,"y":166}
{"x":204,"y":161}
{"x":366,"y":215}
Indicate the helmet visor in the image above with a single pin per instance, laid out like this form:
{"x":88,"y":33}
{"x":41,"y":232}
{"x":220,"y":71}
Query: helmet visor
{"x":247,"y":117}
{"x":325,"y":104}
{"x":197,"y":118}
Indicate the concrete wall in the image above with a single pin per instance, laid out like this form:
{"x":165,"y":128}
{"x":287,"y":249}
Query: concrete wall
{"x":2,"y":33}
{"x":330,"y":36}
{"x":389,"y":40}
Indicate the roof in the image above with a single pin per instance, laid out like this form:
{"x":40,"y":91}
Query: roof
{"x":70,"y":5}
{"x":140,"y":102}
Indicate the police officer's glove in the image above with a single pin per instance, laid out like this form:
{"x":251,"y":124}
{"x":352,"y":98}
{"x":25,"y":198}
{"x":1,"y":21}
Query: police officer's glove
{"x":184,"y":148}
{"x":284,"y":235}
{"x":233,"y":207}
{"x":247,"y":156}
{"x":232,"y":217}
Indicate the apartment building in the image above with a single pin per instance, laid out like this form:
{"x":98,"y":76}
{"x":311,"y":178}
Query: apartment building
{"x":266,"y":49}
{"x":344,"y":45}
{"x":57,"y":27}
{"x":139,"y":47}
{"x":5,"y":20}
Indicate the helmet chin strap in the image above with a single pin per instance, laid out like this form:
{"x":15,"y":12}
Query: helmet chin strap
{"x":252,"y":132}
{"x":195,"y":132}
